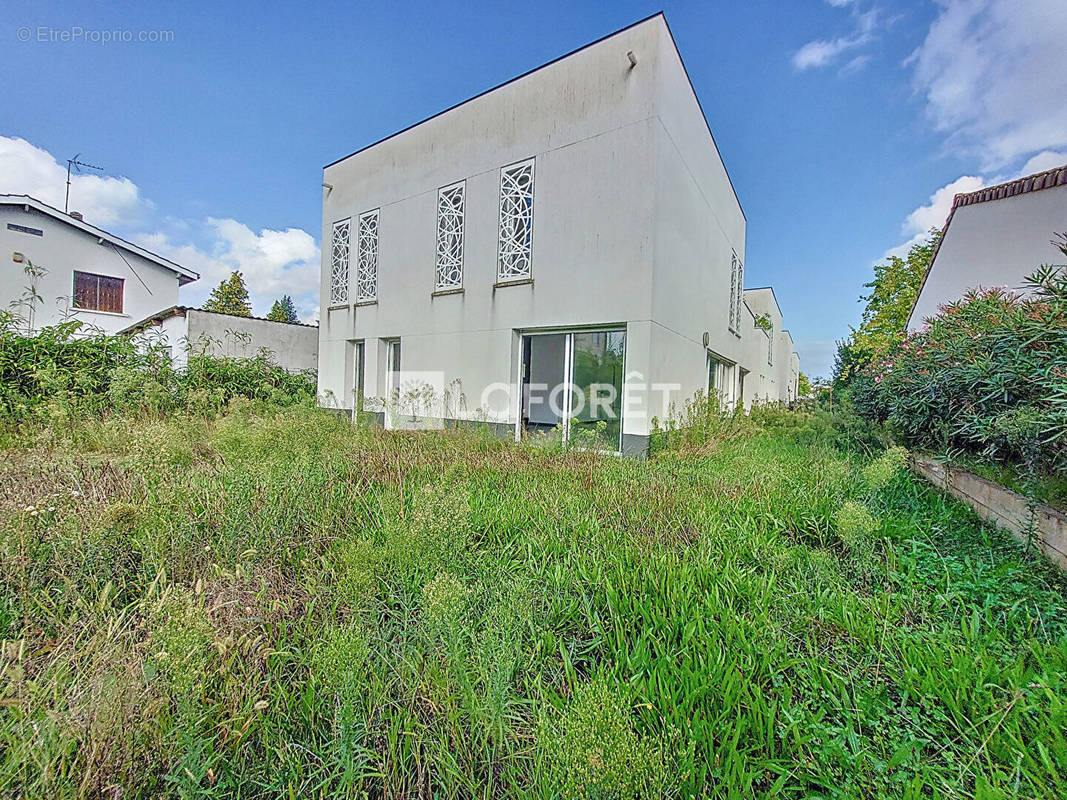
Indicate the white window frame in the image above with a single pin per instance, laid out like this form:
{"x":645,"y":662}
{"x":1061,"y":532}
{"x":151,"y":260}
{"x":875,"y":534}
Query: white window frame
{"x":510,"y":252}
{"x":367,"y":229}
{"x":448,"y":265}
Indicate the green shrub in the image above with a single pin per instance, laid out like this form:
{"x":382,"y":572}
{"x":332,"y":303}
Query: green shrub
{"x":987,"y":375}
{"x":879,"y":473}
{"x":595,"y":750}
{"x":62,"y":373}
{"x":856,"y":526}
{"x":702,"y":423}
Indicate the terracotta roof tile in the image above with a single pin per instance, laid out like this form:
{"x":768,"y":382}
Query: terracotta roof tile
{"x":1030,"y":183}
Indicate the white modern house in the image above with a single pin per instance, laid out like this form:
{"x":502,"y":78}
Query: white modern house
{"x":994,"y":237}
{"x":77,"y":270}
{"x":563,"y":251}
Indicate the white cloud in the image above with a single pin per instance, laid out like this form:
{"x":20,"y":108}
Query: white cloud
{"x":273,"y":262}
{"x":934,"y":212}
{"x":104,"y":200}
{"x":992,"y":73}
{"x":823,"y":52}
{"x":1046,"y":159}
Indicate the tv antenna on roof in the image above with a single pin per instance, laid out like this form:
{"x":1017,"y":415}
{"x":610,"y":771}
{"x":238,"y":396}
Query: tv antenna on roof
{"x":74,"y":162}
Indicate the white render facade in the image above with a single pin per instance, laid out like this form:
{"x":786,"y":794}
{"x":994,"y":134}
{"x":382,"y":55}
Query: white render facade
{"x":293,"y":346}
{"x":88,"y":275}
{"x":994,"y":237}
{"x":577,"y":217}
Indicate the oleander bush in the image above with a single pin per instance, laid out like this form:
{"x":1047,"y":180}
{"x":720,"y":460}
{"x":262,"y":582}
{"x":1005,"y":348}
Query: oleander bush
{"x":987,"y":376}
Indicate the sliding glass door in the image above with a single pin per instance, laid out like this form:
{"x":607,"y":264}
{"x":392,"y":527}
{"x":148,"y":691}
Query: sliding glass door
{"x":597,"y":361}
{"x":572,"y":386}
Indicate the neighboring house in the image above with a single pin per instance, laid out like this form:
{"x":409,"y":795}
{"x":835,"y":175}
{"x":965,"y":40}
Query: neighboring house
{"x":770,"y":347}
{"x":575,"y":224}
{"x":291,"y":345}
{"x":994,"y":237}
{"x":88,"y":274}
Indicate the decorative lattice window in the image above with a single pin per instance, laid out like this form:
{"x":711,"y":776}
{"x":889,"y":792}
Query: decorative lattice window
{"x":339,"y":263}
{"x":449,"y":274}
{"x":733,"y":295}
{"x":740,"y":293}
{"x":367,"y":257}
{"x":516,"y":221}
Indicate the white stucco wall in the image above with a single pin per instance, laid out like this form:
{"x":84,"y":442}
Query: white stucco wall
{"x":292,"y":347}
{"x":993,"y":243}
{"x":774,"y":382}
{"x":62,"y":249}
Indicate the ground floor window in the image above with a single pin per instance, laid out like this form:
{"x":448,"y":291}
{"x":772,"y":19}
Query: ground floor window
{"x":359,"y":370}
{"x":572,"y":385}
{"x":722,"y":380}
{"x":392,"y":380}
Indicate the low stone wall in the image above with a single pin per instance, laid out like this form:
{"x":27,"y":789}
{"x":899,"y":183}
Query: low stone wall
{"x":1004,"y":508}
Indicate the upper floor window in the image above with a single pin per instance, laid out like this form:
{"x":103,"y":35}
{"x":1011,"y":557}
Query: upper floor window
{"x":516,"y":221}
{"x":737,"y":290}
{"x":339,"y":262}
{"x":367,"y":257}
{"x":732,"y":325}
{"x":97,"y":292}
{"x":740,"y":293}
{"x":449,"y":266}
{"x":13,"y":226}
{"x":770,"y":349}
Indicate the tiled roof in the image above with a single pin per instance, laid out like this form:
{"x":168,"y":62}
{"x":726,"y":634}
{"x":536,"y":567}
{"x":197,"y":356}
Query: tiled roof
{"x":1031,"y":183}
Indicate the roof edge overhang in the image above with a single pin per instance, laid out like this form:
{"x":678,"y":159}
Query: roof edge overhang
{"x":184,"y":274}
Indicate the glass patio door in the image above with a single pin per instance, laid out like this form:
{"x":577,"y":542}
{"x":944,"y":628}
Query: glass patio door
{"x":597,"y":362}
{"x":572,"y":384}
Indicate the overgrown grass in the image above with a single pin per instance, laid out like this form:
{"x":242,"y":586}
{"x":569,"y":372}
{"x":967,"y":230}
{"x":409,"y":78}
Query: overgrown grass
{"x":280,"y":604}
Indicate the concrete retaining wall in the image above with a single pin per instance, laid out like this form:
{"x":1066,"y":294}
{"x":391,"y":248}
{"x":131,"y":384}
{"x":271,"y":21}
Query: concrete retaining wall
{"x":1004,"y":508}
{"x":292,"y":347}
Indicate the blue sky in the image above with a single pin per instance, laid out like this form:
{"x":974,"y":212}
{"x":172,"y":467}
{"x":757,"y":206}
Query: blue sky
{"x":846,"y":125}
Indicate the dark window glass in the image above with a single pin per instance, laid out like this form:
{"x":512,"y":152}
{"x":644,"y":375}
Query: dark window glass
{"x":11,"y":226}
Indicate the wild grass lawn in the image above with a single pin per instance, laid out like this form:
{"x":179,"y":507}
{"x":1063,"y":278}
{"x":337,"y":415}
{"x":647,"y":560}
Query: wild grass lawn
{"x":285,"y":605}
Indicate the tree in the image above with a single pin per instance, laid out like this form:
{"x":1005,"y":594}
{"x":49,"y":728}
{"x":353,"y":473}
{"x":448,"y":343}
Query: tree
{"x":893,"y":291}
{"x":230,"y":297}
{"x":283,"y":310}
{"x":803,"y":385}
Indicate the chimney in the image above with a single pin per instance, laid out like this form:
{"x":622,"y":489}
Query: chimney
{"x":77,"y":215}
